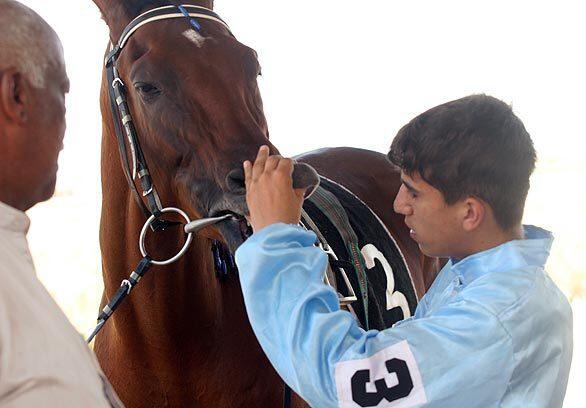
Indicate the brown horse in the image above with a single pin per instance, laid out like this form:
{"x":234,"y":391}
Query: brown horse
{"x":182,"y":338}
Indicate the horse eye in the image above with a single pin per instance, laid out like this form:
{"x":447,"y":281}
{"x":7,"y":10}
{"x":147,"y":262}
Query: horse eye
{"x":147,"y":90}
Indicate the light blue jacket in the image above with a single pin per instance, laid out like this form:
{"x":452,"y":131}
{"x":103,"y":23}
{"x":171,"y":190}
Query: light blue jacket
{"x":492,"y":331}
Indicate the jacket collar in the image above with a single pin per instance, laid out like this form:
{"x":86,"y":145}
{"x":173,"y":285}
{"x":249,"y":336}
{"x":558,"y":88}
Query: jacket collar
{"x":532,"y":250}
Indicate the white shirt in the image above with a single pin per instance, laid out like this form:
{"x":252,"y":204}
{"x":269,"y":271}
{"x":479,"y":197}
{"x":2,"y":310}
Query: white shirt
{"x":44,"y":362}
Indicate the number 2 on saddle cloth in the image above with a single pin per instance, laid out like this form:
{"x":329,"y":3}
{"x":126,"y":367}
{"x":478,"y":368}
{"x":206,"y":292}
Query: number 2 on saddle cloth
{"x":367,"y":268}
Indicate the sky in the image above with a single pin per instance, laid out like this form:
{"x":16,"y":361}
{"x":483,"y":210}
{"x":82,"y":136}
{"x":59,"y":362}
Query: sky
{"x":341,"y":73}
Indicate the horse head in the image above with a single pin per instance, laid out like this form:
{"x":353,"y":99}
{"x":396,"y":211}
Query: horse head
{"x":195,"y":102}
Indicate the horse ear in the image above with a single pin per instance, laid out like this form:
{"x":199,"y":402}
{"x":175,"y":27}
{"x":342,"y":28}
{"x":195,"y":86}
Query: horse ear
{"x":116,"y":13}
{"x":115,"y":16}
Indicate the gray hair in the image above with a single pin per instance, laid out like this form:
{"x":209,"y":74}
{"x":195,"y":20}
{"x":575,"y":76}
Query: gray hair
{"x":27,"y":42}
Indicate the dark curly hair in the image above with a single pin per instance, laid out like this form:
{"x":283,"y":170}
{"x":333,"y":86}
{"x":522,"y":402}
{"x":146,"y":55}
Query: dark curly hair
{"x":473,"y":146}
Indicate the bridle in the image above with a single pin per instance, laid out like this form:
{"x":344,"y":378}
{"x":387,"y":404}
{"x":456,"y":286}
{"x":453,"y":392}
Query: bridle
{"x":126,"y":133}
{"x":121,"y":112}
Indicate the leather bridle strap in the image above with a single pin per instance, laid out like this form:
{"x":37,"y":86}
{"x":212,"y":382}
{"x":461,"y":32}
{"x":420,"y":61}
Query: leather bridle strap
{"x":124,"y":127}
{"x":123,"y":122}
{"x":165,"y":13}
{"x":122,"y":118}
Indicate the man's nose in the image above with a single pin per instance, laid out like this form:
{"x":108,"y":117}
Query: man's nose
{"x":401,"y":204}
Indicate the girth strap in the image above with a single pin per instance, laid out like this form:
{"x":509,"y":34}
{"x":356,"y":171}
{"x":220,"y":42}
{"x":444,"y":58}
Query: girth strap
{"x":330,"y":277}
{"x":331,"y":207}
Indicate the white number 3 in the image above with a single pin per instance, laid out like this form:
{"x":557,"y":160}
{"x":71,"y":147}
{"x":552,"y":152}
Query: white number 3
{"x":394,"y":298}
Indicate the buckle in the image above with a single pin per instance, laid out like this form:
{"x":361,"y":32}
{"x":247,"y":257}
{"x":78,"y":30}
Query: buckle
{"x":344,"y":300}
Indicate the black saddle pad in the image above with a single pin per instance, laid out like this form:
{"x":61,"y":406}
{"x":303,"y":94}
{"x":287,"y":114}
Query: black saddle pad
{"x":391,"y":294}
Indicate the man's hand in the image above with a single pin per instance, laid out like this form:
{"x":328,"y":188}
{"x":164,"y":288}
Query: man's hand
{"x":270,"y":195}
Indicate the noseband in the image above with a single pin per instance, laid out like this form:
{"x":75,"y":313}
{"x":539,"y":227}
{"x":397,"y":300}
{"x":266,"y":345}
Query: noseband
{"x":126,"y":133}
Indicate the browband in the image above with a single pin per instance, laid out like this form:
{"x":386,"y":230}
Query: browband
{"x":165,"y":13}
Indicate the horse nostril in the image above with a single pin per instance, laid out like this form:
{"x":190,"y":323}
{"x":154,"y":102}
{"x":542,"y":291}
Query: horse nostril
{"x":235,"y":182}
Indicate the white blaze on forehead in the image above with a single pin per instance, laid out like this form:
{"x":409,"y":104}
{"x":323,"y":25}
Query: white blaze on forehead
{"x":194,"y":37}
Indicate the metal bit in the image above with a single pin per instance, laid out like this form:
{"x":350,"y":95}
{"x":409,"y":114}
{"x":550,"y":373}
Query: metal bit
{"x":197,"y":225}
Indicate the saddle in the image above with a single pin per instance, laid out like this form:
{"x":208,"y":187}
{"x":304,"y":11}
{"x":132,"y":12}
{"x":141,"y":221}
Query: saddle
{"x":366,"y":266}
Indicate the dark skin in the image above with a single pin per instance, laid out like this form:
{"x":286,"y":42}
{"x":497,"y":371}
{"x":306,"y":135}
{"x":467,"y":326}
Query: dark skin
{"x":32,"y":126}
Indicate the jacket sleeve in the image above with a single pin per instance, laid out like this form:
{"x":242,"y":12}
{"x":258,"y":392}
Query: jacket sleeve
{"x":461,"y":356}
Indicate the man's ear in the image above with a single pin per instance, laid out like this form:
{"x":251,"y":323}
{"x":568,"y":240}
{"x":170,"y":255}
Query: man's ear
{"x":475,"y":211}
{"x":14,"y":96}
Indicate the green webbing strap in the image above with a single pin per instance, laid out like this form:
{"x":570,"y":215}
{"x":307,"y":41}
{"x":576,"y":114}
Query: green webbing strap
{"x":329,"y":205}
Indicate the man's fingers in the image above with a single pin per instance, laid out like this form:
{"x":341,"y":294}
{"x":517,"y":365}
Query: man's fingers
{"x":272,"y":162}
{"x":286,"y":165}
{"x":247,"y":165}
{"x":300,"y":193}
{"x":259,"y":164}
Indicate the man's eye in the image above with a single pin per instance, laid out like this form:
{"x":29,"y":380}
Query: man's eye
{"x":413,"y":194}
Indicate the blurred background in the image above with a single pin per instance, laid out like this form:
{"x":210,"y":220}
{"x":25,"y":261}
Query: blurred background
{"x":338,"y":74}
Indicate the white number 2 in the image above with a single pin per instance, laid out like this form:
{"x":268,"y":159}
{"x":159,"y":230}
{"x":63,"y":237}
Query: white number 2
{"x":394,"y":298}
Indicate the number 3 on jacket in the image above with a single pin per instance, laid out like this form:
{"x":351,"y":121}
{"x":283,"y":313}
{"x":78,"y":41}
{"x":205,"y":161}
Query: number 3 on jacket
{"x":389,"y":378}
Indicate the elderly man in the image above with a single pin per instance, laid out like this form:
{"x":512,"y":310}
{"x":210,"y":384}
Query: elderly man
{"x":44,"y":362}
{"x":492,"y":331}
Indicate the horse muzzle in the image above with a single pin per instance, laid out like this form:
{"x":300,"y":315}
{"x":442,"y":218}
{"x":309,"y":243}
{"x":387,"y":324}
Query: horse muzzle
{"x":304,"y":176}
{"x":229,"y":214}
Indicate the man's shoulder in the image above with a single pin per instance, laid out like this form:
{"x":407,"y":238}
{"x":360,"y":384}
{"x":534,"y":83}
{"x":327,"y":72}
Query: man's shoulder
{"x":520,"y":295}
{"x":500,"y":292}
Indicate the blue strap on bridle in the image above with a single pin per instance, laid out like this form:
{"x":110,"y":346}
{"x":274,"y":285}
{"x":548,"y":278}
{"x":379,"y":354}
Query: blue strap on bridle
{"x":192,"y":20}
